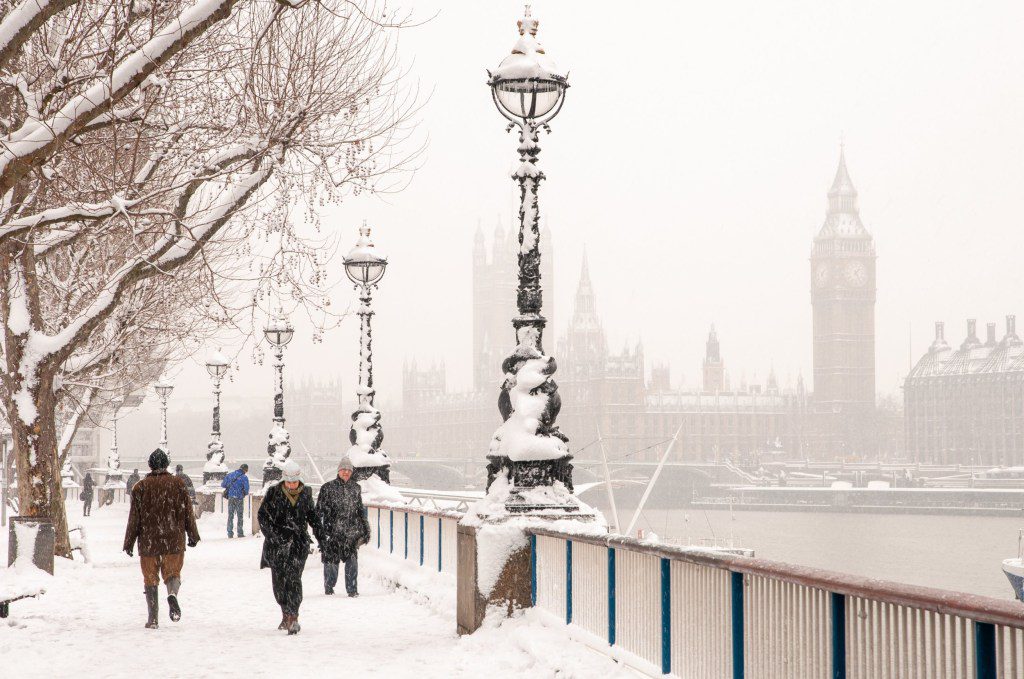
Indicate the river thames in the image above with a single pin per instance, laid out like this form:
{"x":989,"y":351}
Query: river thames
{"x":961,"y":553}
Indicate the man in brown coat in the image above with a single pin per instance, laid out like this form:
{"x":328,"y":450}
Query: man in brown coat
{"x":160,"y":516}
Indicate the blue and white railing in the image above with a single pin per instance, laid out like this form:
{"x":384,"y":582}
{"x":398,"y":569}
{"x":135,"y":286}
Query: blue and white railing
{"x":691,"y":613}
{"x":425,"y":537}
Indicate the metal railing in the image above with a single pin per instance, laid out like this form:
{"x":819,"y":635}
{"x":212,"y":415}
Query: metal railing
{"x":691,"y":613}
{"x":425,"y":537}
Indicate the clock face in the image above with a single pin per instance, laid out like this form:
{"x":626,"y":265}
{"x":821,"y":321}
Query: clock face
{"x":821,"y":275}
{"x":856,"y":274}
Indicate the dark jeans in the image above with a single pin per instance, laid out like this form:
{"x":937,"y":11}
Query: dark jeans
{"x":87,"y":507}
{"x":351,"y":574}
{"x":236,"y":506}
{"x":287,"y":583}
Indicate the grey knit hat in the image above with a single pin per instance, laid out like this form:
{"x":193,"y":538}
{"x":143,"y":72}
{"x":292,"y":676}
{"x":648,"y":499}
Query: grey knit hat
{"x":345,"y":464}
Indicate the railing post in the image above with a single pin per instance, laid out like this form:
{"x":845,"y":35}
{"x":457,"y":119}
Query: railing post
{"x":984,"y":650}
{"x":611,"y":596}
{"x":533,"y":570}
{"x":439,"y":532}
{"x":421,"y":539}
{"x":666,"y":617}
{"x":737,"y":625}
{"x":405,"y":538}
{"x":838,"y":636}
{"x":378,"y":527}
{"x":568,"y":582}
{"x":391,"y":531}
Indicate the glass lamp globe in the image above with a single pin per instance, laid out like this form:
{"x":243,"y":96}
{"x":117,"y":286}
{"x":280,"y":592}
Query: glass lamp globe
{"x":364,"y":266}
{"x":279,"y":332}
{"x":163,"y":388}
{"x":217,"y":365}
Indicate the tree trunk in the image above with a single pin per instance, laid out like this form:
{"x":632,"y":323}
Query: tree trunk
{"x":35,"y":452}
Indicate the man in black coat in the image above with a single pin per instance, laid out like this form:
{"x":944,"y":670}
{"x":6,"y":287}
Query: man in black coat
{"x":343,"y":520}
{"x":286,"y":511}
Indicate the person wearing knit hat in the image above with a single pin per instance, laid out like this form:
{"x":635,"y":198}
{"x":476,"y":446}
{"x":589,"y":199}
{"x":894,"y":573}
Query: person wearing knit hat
{"x":343,"y":519}
{"x":284,"y":515}
{"x":159,"y":520}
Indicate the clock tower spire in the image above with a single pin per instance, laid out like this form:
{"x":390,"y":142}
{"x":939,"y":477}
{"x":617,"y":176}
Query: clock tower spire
{"x":843,"y":305}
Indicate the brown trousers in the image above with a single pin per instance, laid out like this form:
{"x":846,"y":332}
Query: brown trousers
{"x":167,"y":564}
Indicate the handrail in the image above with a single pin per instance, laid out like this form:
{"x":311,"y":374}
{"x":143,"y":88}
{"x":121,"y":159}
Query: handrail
{"x":973,"y":606}
{"x":415,"y":509}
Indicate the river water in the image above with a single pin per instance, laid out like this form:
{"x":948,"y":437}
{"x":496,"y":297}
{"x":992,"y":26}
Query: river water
{"x":961,"y":553}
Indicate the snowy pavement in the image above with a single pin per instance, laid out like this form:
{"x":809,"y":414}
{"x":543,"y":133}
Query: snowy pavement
{"x":90,"y":621}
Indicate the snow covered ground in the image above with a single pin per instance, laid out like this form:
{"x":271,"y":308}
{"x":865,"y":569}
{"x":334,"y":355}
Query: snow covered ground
{"x":90,"y":622}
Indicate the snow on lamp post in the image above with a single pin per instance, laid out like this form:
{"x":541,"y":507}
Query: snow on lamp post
{"x":528,"y":452}
{"x":278,"y":333}
{"x":163,"y":390}
{"x":364,"y":266}
{"x":215,"y":469}
{"x":114,"y":475}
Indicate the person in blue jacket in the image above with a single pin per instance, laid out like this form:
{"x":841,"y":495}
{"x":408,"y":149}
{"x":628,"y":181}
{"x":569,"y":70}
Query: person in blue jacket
{"x":236,"y":488}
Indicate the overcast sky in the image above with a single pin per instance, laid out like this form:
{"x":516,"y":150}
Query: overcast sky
{"x":692,"y":158}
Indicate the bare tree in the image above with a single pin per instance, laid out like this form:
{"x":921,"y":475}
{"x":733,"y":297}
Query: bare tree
{"x":150,"y":187}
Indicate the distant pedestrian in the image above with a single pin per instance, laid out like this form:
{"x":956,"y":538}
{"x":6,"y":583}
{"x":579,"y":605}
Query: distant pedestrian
{"x":236,"y":489}
{"x":87,"y":486}
{"x":159,"y":519}
{"x":133,"y":478}
{"x":339,"y":507}
{"x":286,"y":511}
{"x":179,"y":472}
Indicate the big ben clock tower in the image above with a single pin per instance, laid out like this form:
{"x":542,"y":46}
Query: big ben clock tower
{"x":843,"y":305}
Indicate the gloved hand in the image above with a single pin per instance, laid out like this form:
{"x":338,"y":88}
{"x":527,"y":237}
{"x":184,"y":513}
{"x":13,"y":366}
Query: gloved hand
{"x":193,"y":543}
{"x":130,"y":551}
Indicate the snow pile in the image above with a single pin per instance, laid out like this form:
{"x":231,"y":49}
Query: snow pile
{"x":279,"y":447}
{"x":426,"y":586}
{"x":23,"y":578}
{"x":376,"y":490}
{"x":215,"y":457}
{"x":528,"y":58}
{"x":495,"y":543}
{"x":366,"y":434}
{"x":67,"y":477}
{"x":529,"y":387}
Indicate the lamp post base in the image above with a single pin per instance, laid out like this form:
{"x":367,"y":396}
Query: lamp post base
{"x":363,"y":473}
{"x":533,"y":485}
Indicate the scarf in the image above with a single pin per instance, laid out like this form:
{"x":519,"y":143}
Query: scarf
{"x":292,"y":495}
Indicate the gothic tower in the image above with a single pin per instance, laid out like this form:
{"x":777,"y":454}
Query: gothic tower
{"x":714,"y":367}
{"x":843,"y":304}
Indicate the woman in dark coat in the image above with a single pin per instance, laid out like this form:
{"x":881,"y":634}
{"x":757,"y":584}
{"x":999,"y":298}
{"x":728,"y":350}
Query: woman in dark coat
{"x":340,"y":509}
{"x":87,"y":485}
{"x":286,"y":510}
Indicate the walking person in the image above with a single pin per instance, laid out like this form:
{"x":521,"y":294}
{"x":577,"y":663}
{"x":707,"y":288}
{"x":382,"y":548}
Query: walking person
{"x":87,"y":485}
{"x":159,"y":519}
{"x":130,"y":482}
{"x":179,"y":473}
{"x":236,"y":489}
{"x":286,"y":511}
{"x":339,"y":507}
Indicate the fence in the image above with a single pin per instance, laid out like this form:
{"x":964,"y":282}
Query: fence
{"x":427,"y":537}
{"x":691,"y":613}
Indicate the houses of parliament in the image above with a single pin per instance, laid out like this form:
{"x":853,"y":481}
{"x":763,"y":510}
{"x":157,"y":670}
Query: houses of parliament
{"x":609,"y":394}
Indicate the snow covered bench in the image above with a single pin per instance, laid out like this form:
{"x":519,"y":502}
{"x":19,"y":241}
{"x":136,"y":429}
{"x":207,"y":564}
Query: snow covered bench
{"x":31,"y":543}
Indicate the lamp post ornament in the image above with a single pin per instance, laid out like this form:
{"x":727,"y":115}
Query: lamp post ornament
{"x":279,"y":333}
{"x":163,"y":390}
{"x":215,"y":469}
{"x":528,"y":452}
{"x":364,"y":266}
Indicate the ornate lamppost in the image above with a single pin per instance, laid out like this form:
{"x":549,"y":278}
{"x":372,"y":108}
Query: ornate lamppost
{"x":163,"y":389}
{"x":215,"y":469}
{"x":278,"y":333}
{"x":364,"y":266}
{"x":114,"y":480}
{"x":528,"y":451}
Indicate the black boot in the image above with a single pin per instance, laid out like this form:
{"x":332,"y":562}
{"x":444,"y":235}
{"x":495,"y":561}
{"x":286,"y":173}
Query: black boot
{"x":293,"y":624}
{"x":153,"y":605}
{"x":172,"y":598}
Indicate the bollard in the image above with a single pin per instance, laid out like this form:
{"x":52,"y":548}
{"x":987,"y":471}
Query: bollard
{"x":207,"y":501}
{"x":255,"y":502}
{"x":511,"y":589}
{"x":42,"y":550}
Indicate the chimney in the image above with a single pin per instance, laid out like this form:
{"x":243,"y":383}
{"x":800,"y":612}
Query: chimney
{"x":990,"y":338}
{"x":940,"y":337}
{"x":1011,"y":331}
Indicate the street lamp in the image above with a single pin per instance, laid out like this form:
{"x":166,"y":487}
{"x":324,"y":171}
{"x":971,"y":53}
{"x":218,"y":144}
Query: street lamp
{"x":214,"y":469}
{"x":528,"y":449}
{"x":279,"y":333}
{"x":364,"y":266}
{"x":163,"y":389}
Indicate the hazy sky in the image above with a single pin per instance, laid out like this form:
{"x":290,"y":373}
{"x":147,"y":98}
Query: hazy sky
{"x":692,"y":158}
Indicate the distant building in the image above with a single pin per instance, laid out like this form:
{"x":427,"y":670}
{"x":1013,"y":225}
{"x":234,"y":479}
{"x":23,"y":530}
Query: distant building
{"x":966,"y":405}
